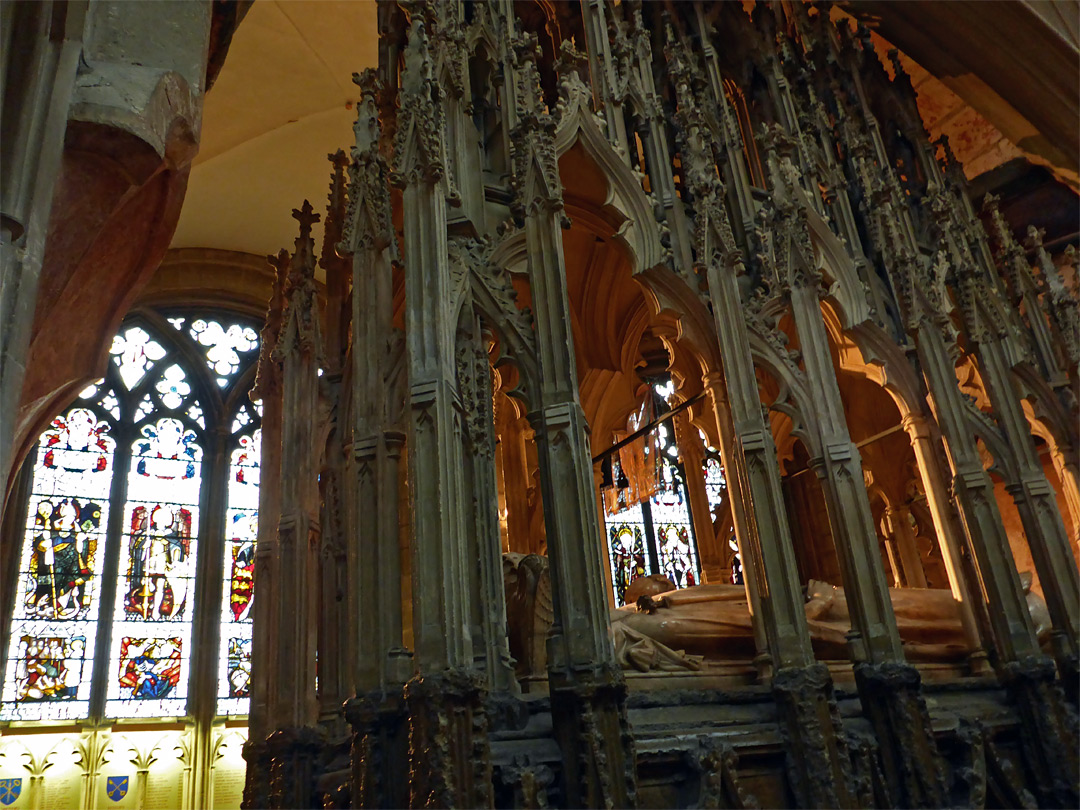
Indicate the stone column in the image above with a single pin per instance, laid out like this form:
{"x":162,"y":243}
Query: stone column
{"x":515,"y":468}
{"x":335,"y":668}
{"x":491,"y":649}
{"x":895,"y":565}
{"x":39,"y":78}
{"x":902,"y":535}
{"x":714,"y":387}
{"x":1026,"y":672}
{"x":1070,"y":484}
{"x":294,"y":745}
{"x":444,"y":699}
{"x":818,"y":764}
{"x":263,"y":657}
{"x":335,"y":639}
{"x":1037,"y":504}
{"x":875,"y":637}
{"x":380,"y":665}
{"x":888,"y":685}
{"x":587,"y":688}
{"x":938,"y":500}
{"x":603,"y":74}
{"x":991,"y":327}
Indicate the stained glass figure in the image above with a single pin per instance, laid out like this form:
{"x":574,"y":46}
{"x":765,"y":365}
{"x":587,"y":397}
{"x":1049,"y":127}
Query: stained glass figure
{"x":677,"y":558}
{"x":670,"y":513}
{"x":626,"y":544}
{"x":149,"y":667}
{"x":64,"y":546}
{"x":736,"y":560}
{"x":656,"y":530}
{"x":158,"y":551}
{"x":76,"y":444}
{"x":57,"y":601}
{"x":135,"y":353}
{"x":160,"y":546}
{"x":49,"y":668}
{"x":167,"y":452}
{"x":713,"y":470}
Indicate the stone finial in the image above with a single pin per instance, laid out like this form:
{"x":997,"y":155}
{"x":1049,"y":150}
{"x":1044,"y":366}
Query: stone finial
{"x":366,"y":127}
{"x":302,"y":267}
{"x":307,"y":217}
{"x":418,"y":142}
{"x":265,"y":377}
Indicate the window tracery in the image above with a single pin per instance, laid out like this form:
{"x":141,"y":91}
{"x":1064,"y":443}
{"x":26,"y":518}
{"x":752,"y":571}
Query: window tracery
{"x":88,"y":643}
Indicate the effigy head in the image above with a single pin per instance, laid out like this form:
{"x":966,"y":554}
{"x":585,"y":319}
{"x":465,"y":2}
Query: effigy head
{"x":648,"y":586}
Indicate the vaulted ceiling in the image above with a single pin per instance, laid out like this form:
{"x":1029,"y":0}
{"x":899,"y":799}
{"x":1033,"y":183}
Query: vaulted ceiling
{"x":989,"y":75}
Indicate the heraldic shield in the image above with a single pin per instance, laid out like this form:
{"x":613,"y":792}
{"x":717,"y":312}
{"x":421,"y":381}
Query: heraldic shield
{"x":116,"y":787}
{"x":10,"y":790}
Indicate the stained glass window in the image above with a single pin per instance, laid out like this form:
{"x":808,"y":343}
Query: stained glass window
{"x":670,"y":513}
{"x":104,"y":617}
{"x":627,"y":551}
{"x":154,"y":598}
{"x":242,"y":526}
{"x":224,"y":345}
{"x":713,"y":470}
{"x":653,"y":535}
{"x":58,"y":598}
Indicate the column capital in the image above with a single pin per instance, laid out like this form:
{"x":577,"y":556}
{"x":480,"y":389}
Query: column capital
{"x":897,"y":511}
{"x":714,"y":385}
{"x":916,"y":425}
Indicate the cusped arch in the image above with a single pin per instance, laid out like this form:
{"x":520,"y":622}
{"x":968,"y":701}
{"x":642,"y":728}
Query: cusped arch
{"x":1046,"y":414}
{"x":579,"y":124}
{"x":867,"y":350}
{"x":848,"y":291}
{"x":765,"y":356}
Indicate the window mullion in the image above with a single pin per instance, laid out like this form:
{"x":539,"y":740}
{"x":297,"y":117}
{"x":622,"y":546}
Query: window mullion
{"x":205,"y":632}
{"x":110,"y":574}
{"x":650,"y":536}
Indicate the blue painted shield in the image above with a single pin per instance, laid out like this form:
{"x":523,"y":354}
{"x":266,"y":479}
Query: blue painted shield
{"x":116,"y":787}
{"x":10,"y":790}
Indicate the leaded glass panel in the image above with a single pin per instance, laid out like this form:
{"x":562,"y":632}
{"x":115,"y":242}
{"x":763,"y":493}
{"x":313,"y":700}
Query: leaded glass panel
{"x":135,"y":353}
{"x":242,"y":527}
{"x":51,"y":652}
{"x":224,"y":345}
{"x":627,"y":552}
{"x":154,"y":602}
{"x":670,"y":511}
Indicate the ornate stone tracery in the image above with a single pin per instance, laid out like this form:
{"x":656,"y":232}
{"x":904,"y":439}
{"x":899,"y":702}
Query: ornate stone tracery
{"x":771,"y":204}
